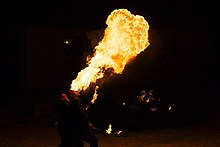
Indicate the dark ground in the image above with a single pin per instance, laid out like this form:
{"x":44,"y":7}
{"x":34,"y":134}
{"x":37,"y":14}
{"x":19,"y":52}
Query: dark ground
{"x":21,"y":128}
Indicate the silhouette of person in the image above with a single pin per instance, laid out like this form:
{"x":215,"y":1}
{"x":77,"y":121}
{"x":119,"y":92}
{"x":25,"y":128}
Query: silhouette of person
{"x":74,"y":126}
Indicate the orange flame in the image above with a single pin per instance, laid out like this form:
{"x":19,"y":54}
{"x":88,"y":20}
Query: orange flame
{"x":125,"y":37}
{"x":95,"y":95}
{"x":109,"y":130}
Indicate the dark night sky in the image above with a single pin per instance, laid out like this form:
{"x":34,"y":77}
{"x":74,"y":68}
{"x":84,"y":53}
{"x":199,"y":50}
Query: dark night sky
{"x":95,"y":12}
{"x":170,"y":16}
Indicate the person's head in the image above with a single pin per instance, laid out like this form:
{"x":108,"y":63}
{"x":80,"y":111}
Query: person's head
{"x":72,"y":94}
{"x":64,"y":97}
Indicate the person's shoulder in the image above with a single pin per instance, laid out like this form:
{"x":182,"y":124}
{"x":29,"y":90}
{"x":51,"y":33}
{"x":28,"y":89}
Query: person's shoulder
{"x":77,"y":100}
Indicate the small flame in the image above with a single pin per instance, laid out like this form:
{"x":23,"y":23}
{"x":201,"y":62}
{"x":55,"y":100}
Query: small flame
{"x":125,"y":36}
{"x":95,"y":95}
{"x":119,"y":132}
{"x":109,"y":130}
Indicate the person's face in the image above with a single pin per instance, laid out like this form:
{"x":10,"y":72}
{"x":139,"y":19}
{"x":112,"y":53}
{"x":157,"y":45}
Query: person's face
{"x":64,"y":97}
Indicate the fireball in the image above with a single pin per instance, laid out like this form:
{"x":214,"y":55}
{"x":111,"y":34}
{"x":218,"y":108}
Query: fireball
{"x":124,"y":38}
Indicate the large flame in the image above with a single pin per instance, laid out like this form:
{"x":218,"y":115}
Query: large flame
{"x":125,"y":37}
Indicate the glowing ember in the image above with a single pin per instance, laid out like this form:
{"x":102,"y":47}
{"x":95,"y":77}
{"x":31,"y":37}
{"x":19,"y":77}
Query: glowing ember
{"x":125,"y":37}
{"x":109,"y":130}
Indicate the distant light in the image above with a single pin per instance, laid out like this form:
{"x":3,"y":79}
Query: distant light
{"x":170,"y":108}
{"x":123,"y":103}
{"x":153,"y":109}
{"x":147,"y":100}
{"x":66,"y":42}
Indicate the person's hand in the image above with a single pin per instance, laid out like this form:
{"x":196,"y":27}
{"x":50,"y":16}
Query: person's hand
{"x":64,"y":98}
{"x":90,"y":125}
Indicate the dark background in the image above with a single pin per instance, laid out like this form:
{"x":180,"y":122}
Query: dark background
{"x":182,"y":59}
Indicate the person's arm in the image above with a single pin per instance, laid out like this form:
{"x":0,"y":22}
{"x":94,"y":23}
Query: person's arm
{"x":82,"y":110}
{"x":90,"y":126}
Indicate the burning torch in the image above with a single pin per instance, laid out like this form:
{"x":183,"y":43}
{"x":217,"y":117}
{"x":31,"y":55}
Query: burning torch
{"x":95,"y":95}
